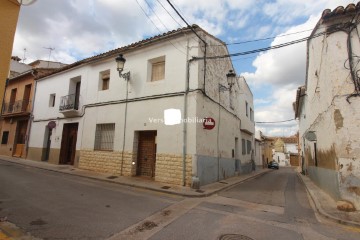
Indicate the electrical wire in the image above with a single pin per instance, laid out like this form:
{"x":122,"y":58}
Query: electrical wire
{"x":264,"y":49}
{"x":143,"y":10}
{"x":289,"y":120}
{"x":169,"y":13}
{"x":187,"y":24}
{"x":268,"y":38}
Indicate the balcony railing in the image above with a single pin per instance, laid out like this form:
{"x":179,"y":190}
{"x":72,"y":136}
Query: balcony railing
{"x":69,"y":102}
{"x":21,"y":106}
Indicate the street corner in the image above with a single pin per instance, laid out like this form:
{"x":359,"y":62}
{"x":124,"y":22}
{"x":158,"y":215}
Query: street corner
{"x":9,"y":231}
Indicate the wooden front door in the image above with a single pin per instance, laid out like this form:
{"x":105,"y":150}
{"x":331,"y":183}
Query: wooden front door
{"x":68,"y":143}
{"x":20,"y":138}
{"x":146,"y":154}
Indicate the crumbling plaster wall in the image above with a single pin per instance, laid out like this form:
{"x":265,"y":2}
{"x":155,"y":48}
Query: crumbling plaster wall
{"x":335,"y":121}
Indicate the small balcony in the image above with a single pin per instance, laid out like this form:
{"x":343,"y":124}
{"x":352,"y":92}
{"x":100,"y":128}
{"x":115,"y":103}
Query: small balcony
{"x":70,"y":105}
{"x":17,"y":108}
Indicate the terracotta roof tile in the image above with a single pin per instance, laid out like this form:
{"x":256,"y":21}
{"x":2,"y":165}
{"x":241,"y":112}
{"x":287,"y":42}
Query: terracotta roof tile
{"x":132,"y":46}
{"x":340,"y":10}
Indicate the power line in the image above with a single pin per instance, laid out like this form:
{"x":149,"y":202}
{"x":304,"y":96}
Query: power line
{"x":289,"y":120}
{"x":155,"y":25}
{"x":268,"y":38}
{"x":263,"y":49}
{"x":169,"y":13}
{"x":187,"y":24}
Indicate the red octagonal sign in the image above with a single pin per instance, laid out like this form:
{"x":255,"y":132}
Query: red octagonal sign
{"x":209,"y":123}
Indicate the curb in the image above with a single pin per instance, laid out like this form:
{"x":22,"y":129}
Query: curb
{"x":190,"y":195}
{"x":322,"y":212}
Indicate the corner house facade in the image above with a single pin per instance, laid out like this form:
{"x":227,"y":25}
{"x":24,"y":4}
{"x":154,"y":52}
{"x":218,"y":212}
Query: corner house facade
{"x":165,"y":117}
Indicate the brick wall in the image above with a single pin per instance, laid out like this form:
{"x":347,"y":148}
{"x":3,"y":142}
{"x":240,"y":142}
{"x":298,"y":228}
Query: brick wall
{"x":169,"y":169}
{"x":168,"y":166}
{"x":106,"y":162}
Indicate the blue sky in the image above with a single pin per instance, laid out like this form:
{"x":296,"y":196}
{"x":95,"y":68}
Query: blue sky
{"x":77,"y":29}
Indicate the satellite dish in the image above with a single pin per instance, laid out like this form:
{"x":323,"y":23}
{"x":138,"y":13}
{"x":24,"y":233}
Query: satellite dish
{"x":26,"y":2}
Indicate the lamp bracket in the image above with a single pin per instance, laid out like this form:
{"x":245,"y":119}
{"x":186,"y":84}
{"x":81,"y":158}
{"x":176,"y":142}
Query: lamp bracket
{"x":126,"y":75}
{"x":223,"y":88}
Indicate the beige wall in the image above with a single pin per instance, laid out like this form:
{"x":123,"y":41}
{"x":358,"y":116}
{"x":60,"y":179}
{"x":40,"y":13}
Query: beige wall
{"x":6,"y":125}
{"x":36,"y":154}
{"x":9,"y":123}
{"x":19,"y":83}
{"x":9,"y":12}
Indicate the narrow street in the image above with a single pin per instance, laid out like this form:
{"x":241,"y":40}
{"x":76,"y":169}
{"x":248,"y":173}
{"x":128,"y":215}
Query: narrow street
{"x":52,"y":205}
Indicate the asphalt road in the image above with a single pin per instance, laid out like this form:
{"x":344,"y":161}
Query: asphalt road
{"x":273,"y":206}
{"x":52,"y":205}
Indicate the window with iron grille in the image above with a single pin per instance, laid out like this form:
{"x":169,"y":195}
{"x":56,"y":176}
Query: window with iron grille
{"x":248,"y":147}
{"x":243,"y":146}
{"x":104,"y":137}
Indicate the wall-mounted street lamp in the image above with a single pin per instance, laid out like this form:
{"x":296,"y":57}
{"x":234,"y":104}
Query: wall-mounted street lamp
{"x":230,"y":76}
{"x":120,"y":60}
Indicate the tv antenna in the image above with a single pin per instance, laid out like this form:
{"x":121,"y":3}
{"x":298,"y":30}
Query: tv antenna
{"x":50,"y":50}
{"x":24,"y":58}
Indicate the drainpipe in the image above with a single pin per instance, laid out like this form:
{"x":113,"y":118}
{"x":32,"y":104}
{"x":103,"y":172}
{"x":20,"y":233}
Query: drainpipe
{"x":185,"y":114}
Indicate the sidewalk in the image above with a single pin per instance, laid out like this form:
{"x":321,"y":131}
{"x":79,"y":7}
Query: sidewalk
{"x":139,"y":182}
{"x":326,"y":205}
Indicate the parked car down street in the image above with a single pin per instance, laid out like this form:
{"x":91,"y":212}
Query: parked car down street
{"x":273,"y":165}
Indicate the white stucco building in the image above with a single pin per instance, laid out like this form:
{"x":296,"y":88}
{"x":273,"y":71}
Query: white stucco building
{"x":259,"y":156}
{"x":328,"y":106}
{"x":86,"y":115}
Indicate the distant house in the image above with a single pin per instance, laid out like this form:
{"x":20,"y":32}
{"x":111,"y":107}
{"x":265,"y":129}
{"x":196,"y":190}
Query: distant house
{"x":17,"y":106}
{"x":286,"y":151}
{"x":260,"y":143}
{"x":280,"y":153}
{"x":328,"y":106}
{"x":171,"y":116}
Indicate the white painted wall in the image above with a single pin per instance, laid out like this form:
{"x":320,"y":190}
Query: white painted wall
{"x":281,"y":158}
{"x":105,"y":106}
{"x":291,"y":147}
{"x":327,"y":112}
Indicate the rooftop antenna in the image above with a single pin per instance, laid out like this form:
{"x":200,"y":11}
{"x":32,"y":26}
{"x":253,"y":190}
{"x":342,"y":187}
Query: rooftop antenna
{"x":50,"y":50}
{"x":24,"y":58}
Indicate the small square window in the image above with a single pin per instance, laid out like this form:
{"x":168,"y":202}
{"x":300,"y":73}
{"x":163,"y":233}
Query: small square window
{"x":52,"y":100}
{"x":5,"y":137}
{"x":104,"y":137}
{"x":104,"y":80}
{"x":157,"y":69}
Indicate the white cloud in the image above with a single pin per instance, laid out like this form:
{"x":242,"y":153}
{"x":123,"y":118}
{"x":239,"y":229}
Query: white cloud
{"x":78,"y":29}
